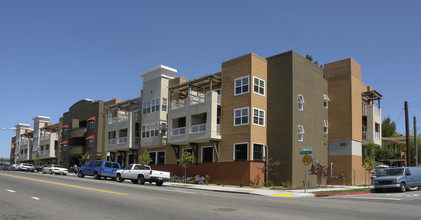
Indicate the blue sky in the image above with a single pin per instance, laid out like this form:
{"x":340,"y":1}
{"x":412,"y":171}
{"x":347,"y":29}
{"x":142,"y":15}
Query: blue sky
{"x":55,"y":53}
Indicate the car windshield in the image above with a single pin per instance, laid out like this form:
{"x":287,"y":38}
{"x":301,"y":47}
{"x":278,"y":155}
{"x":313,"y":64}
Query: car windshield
{"x":393,"y":172}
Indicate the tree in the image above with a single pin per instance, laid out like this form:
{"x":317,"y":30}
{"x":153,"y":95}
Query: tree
{"x":269,"y":165}
{"x":388,"y":127}
{"x":310,"y":57}
{"x":185,"y":160}
{"x":320,"y":171}
{"x":369,"y":162}
{"x":145,"y":158}
{"x":36,"y":159}
{"x":384,"y":153}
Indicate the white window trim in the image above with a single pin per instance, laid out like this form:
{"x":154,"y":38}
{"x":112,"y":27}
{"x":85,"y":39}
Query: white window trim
{"x":156,"y":156}
{"x":248,"y":150}
{"x":264,"y":116}
{"x":326,"y":125}
{"x":91,"y":141}
{"x":252,"y":151}
{"x":302,"y":139}
{"x":264,"y":88}
{"x":248,"y":121}
{"x":326,"y":100}
{"x":201,"y":154}
{"x":299,"y":95}
{"x":248,"y":81}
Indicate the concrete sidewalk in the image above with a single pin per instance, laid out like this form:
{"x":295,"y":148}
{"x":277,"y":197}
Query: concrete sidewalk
{"x":261,"y":192}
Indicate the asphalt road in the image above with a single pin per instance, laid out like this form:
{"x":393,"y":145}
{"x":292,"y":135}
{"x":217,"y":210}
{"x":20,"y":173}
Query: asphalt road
{"x":43,"y":196}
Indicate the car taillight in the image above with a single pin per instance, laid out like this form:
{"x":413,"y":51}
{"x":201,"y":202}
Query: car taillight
{"x":150,"y":172}
{"x":55,"y":169}
{"x":102,"y":169}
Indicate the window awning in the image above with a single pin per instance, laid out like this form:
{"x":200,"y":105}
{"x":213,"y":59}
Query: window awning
{"x":65,"y":126}
{"x":91,"y":119}
{"x":64,"y":142}
{"x":92,"y":137}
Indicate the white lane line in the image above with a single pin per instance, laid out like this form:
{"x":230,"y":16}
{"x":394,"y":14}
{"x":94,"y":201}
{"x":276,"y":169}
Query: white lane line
{"x":12,"y":191}
{"x":372,"y":198}
{"x":36,"y":198}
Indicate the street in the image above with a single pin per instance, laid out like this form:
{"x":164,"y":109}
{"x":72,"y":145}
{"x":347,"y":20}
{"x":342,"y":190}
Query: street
{"x":42,"y":196}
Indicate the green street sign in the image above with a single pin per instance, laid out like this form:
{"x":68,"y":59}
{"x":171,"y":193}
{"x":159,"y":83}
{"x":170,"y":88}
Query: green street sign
{"x":306,"y":150}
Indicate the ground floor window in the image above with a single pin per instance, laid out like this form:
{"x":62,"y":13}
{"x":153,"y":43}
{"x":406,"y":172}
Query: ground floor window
{"x":153,"y":158}
{"x":241,"y":151}
{"x":157,"y":157}
{"x":207,"y":154}
{"x":258,"y":152}
{"x":131,"y":159}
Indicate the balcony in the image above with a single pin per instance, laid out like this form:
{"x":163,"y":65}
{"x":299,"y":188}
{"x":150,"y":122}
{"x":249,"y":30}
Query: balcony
{"x":111,"y":141}
{"x":372,"y":120}
{"x":77,"y":132}
{"x":122,"y":140}
{"x":178,"y":131}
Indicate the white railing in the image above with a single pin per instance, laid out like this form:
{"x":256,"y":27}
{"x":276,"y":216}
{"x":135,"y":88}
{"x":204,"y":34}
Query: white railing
{"x":122,"y":140}
{"x":219,"y":100}
{"x":178,"y":131}
{"x":176,"y":104}
{"x":112,"y":121}
{"x":364,"y":135}
{"x":198,"y":128}
{"x":111,"y":141}
{"x":377,"y":135}
{"x":218,"y":129}
{"x":196,"y":98}
{"x":364,"y":110}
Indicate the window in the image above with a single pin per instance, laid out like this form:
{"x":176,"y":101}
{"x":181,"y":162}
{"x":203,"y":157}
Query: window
{"x":300,"y":102}
{"x":116,"y":165}
{"x":241,"y":85}
{"x":207,"y":154}
{"x":65,"y":131}
{"x":145,"y":131}
{"x":108,"y":164}
{"x":164,"y":104}
{"x":241,"y":116}
{"x":64,"y":147}
{"x":59,"y":149}
{"x":128,"y":167}
{"x":326,"y":100}
{"x":326,"y":126}
{"x":161,"y":157}
{"x":300,"y":133}
{"x":241,"y":152}
{"x":146,"y":107}
{"x":258,"y":152}
{"x":258,"y":117}
{"x":91,"y":143}
{"x":155,"y":105}
{"x":98,"y":163}
{"x":258,"y":86}
{"x":153,"y":158}
{"x":190,"y":150}
{"x":154,"y":128}
{"x":92,"y":124}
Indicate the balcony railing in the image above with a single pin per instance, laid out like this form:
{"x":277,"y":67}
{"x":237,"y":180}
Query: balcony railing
{"x":176,"y":104}
{"x":219,"y":100}
{"x":218,"y":129}
{"x":178,"y":131}
{"x":111,"y":141}
{"x":198,"y":128}
{"x":122,"y":140}
{"x":196,"y":98}
{"x":376,"y":111}
{"x":364,"y":135}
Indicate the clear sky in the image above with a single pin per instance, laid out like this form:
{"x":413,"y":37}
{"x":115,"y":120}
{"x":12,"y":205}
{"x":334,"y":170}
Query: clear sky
{"x":55,"y":53}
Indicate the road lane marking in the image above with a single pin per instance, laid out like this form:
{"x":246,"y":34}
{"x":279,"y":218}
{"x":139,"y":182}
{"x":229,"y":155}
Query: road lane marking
{"x":36,"y":198}
{"x":12,"y":191}
{"x":69,"y":185}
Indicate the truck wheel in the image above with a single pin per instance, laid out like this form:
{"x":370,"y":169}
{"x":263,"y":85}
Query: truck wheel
{"x":402,"y":187}
{"x":80,"y":174}
{"x":134,"y":181}
{"x":140,"y":180}
{"x":96,"y":176}
{"x":159,"y":183}
{"x":118,"y":178}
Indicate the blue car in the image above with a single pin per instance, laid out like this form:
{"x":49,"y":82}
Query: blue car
{"x":98,"y":169}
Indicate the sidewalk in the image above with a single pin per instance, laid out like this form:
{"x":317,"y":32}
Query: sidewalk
{"x":261,"y":192}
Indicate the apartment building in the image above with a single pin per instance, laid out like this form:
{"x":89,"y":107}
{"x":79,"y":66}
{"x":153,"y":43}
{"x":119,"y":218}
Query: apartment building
{"x":297,"y":116}
{"x":13,"y":149}
{"x":82,"y":130}
{"x":45,"y":141}
{"x":354,"y":120}
{"x":24,"y":143}
{"x":123,"y":131}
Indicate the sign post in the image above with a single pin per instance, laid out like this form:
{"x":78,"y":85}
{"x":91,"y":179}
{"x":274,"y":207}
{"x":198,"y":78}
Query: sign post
{"x":306,"y":161}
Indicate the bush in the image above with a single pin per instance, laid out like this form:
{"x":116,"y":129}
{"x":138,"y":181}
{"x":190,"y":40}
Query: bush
{"x":191,"y":180}
{"x":241,"y":185}
{"x":286,"y":184}
{"x":269,"y":183}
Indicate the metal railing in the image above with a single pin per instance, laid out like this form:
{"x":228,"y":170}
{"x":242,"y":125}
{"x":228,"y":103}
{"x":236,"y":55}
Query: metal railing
{"x":219,"y":100}
{"x":111,"y":141}
{"x":376,"y":110}
{"x":364,"y":135}
{"x":218,"y":129}
{"x":198,"y":128}
{"x":122,"y":140}
{"x":176,"y":104}
{"x":178,"y":131}
{"x":196,"y":98}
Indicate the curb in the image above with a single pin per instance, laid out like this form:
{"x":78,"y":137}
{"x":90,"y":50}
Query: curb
{"x":227,"y":191}
{"x":342,"y":194}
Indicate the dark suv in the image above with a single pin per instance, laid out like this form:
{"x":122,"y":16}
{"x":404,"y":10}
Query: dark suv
{"x":99,"y":168}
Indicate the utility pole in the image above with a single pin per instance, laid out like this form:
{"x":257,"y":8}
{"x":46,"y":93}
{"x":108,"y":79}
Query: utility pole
{"x":408,"y":152}
{"x":415,"y":141}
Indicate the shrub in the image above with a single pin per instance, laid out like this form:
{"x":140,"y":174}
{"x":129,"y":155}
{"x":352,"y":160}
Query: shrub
{"x":241,"y":185}
{"x":286,"y":184}
{"x":269,"y":183}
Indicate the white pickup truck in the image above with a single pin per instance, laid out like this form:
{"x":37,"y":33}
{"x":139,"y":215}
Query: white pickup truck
{"x":139,"y":174}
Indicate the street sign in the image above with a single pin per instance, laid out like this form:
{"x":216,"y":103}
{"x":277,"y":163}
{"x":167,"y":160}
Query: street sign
{"x":306,"y":160}
{"x":306,"y":150}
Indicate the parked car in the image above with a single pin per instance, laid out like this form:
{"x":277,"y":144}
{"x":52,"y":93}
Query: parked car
{"x":27,"y":167}
{"x":13,"y":167}
{"x":99,"y":168}
{"x":4,"y":167}
{"x":39,"y":168}
{"x":56,"y":169}
{"x":139,"y":174}
{"x":399,"y":178}
{"x":18,"y":166}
